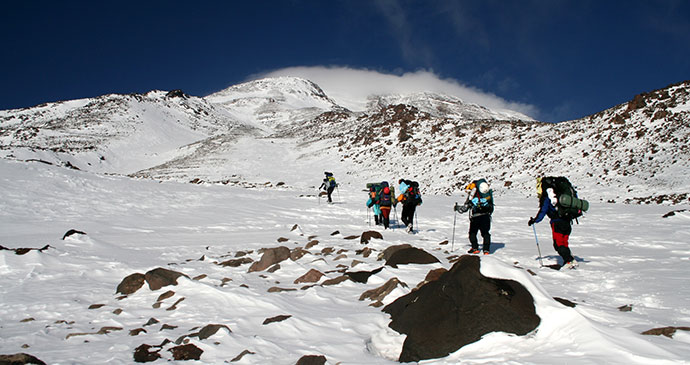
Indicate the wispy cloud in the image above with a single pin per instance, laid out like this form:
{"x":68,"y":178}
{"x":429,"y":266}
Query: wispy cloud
{"x":350,"y":87}
{"x":402,"y":30}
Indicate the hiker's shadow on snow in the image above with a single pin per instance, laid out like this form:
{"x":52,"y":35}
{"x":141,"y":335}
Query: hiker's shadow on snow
{"x":495,"y":246}
{"x":559,"y":259}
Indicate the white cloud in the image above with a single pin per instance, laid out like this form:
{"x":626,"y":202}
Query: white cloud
{"x":350,"y":87}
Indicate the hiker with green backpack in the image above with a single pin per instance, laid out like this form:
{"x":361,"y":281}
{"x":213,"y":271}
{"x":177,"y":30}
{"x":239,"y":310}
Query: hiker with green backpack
{"x":558,"y":200}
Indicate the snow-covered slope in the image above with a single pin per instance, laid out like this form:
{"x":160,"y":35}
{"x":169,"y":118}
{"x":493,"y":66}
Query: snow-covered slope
{"x":114,"y":133}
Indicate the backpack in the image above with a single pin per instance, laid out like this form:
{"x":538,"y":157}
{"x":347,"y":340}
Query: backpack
{"x":331,"y":181}
{"x":568,"y":205}
{"x":487,"y":208}
{"x":413,"y":194}
{"x":385,"y":200}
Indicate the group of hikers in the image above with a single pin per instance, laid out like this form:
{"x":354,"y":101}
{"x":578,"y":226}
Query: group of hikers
{"x":557,"y":200}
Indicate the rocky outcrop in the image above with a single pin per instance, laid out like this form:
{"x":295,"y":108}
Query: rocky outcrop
{"x":458,"y":309}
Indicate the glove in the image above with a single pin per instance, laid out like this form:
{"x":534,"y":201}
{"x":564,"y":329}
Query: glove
{"x":531,"y":221}
{"x":456,"y":207}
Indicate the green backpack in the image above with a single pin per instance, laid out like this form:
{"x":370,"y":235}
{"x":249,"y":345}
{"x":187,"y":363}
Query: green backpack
{"x":568,"y":205}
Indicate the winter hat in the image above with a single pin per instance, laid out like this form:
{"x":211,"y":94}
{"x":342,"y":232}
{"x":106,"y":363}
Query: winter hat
{"x":386,"y":190}
{"x":484,"y":187}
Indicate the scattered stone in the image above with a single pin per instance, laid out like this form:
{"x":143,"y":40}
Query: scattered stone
{"x":102,"y":331}
{"x":270,"y":257}
{"x":275,"y":289}
{"x":131,"y":284}
{"x":565,"y":302}
{"x":366,"y":252}
{"x":312,"y":276}
{"x":276,"y":319}
{"x":117,"y":311}
{"x":432,"y":275}
{"x":388,"y":252}
{"x":72,"y":232}
{"x":443,"y":243}
{"x":136,"y":331}
{"x":297,"y":253}
{"x":25,"y":320}
{"x":625,"y":308}
{"x":143,"y":354}
{"x":151,"y":321}
{"x":340,"y":257}
{"x":353,"y":237}
{"x":335,"y":232}
{"x":23,"y":251}
{"x":666,"y":331}
{"x":335,"y":281}
{"x":283,"y":239}
{"x":355,"y":263}
{"x":199,"y":277}
{"x":274,"y":268}
{"x":327,"y":251}
{"x":186,"y":352}
{"x":379,"y":293}
{"x":160,"y":277}
{"x":369,"y":235}
{"x":96,"y":306}
{"x":458,"y":309}
{"x":167,"y":327}
{"x":362,"y":276}
{"x":19,"y":359}
{"x":410,"y":255}
{"x":210,"y":330}
{"x":174,"y":306}
{"x":241,"y":355}
{"x":311,"y":360}
{"x":236,"y":262}
{"x":311,"y":244}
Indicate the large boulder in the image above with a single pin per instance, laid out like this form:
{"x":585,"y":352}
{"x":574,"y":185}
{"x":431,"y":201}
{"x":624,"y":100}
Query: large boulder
{"x":458,"y":309}
{"x":160,"y":277}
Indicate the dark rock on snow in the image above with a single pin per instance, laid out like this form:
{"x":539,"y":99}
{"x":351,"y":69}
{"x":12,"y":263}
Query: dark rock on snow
{"x":186,"y":352}
{"x":368,"y":235}
{"x":143,"y":353}
{"x":131,"y":284}
{"x":271,"y":257}
{"x":389,"y":251}
{"x":276,"y":319}
{"x":19,"y":359}
{"x":411,"y":255}
{"x":160,"y":277}
{"x":362,"y":276}
{"x":458,"y":309}
{"x":665,"y":331}
{"x":379,"y":293}
{"x":311,"y":360}
{"x":72,"y":232}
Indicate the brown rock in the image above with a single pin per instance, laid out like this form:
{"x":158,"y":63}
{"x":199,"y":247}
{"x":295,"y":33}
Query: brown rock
{"x":165,"y":295}
{"x":131,"y":284}
{"x":335,"y":281}
{"x":241,"y":355}
{"x":160,"y":277}
{"x":297,"y":253}
{"x":379,"y":293}
{"x":311,"y":360}
{"x":665,"y":331}
{"x":186,"y":352}
{"x":270,"y":257}
{"x":276,"y":319}
{"x":236,"y":262}
{"x":311,"y":244}
{"x":210,"y":330}
{"x":368,"y":236}
{"x":312,"y":276}
{"x":388,"y":252}
{"x":19,"y":359}
{"x":143,"y":353}
{"x":275,"y":289}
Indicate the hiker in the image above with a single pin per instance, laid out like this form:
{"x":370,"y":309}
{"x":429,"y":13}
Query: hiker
{"x":385,"y":201}
{"x":410,"y":199}
{"x":328,"y":184}
{"x":561,"y":223}
{"x":480,"y":204}
{"x":373,"y":202}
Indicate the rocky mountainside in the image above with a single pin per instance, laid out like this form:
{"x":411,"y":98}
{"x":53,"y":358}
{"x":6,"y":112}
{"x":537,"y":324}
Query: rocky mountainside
{"x":633,"y":152}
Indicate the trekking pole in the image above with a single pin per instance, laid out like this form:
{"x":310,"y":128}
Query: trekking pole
{"x":395,"y":211}
{"x":455,"y":216}
{"x":416,"y":220}
{"x":338,"y":190}
{"x":368,"y":217}
{"x":319,"y":195}
{"x":541,"y":264}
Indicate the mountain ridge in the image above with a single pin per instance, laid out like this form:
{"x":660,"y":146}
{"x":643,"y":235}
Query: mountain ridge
{"x":632,"y":152}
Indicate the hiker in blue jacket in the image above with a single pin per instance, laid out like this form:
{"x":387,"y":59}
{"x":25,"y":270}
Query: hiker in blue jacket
{"x":480,"y":204}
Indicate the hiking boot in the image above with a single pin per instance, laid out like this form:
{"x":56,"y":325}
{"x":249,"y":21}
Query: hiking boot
{"x":486,"y":252}
{"x":571,"y":264}
{"x":409,"y":228}
{"x":473,"y":250}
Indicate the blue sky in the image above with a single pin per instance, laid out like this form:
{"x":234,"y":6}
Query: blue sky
{"x":556,"y":60}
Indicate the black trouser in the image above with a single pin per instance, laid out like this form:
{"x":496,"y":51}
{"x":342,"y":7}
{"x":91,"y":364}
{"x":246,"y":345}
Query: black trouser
{"x":407,"y":215}
{"x":480,"y":223}
{"x":330,"y":191}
